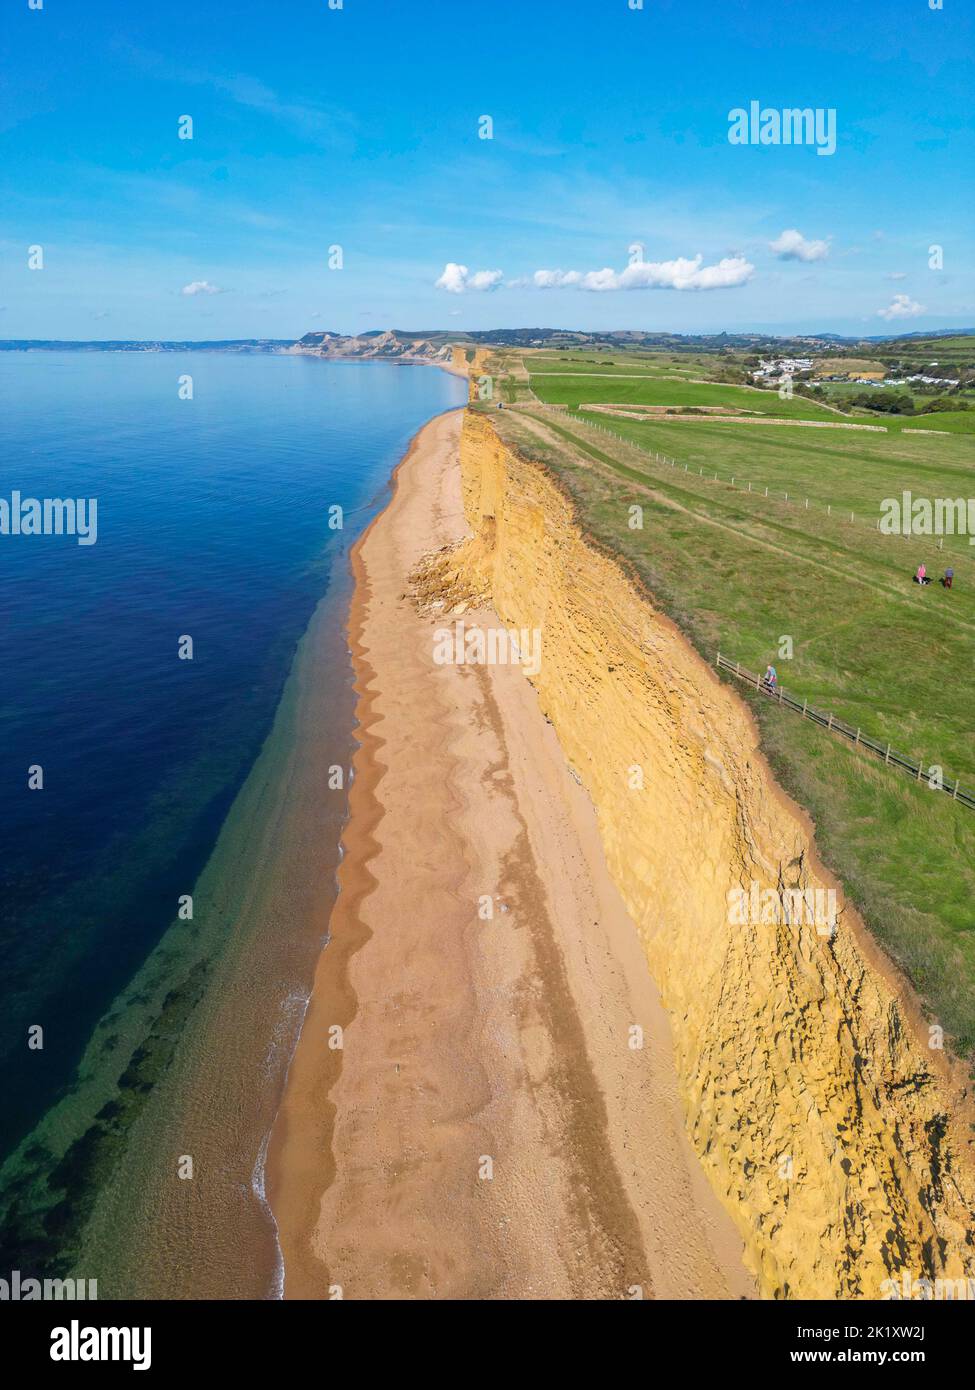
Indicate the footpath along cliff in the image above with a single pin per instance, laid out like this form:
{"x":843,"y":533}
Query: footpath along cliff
{"x":841,"y":1144}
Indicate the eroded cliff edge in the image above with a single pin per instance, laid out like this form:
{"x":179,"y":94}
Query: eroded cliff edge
{"x":840,"y":1142}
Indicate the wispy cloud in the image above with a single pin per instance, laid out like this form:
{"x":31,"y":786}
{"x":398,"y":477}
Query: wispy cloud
{"x":321,"y":123}
{"x":793,"y":246}
{"x":201,"y":287}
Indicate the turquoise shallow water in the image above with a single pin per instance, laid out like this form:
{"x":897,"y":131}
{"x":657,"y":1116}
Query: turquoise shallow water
{"x":212,"y":523}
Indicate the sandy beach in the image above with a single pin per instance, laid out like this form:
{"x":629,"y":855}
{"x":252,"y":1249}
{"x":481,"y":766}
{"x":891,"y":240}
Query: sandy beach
{"x":485,"y":1129}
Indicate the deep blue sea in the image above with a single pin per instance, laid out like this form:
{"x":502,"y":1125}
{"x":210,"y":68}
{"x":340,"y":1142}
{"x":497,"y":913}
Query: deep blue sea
{"x":213,"y":524}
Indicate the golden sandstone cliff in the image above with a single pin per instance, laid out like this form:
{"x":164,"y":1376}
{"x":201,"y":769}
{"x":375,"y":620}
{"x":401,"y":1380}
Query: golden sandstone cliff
{"x":839,"y":1141}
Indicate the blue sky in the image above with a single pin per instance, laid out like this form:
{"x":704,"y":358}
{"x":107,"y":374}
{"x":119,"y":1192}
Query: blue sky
{"x":359,"y":127}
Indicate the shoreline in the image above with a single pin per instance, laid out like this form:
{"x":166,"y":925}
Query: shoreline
{"x":330,"y":992}
{"x":463,"y":1039}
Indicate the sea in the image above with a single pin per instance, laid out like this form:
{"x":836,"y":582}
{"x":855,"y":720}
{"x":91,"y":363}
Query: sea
{"x":176,"y":726}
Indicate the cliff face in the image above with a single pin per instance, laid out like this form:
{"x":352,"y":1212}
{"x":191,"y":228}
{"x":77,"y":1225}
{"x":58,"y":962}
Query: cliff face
{"x":387,"y":346}
{"x":838,"y":1140}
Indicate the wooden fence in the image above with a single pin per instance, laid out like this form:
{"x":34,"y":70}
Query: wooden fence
{"x":857,"y":737}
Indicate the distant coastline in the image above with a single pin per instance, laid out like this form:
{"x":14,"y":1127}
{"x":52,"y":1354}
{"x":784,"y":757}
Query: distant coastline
{"x":395,"y":342}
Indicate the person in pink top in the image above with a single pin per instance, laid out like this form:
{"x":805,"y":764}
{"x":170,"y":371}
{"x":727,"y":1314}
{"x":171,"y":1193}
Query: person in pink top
{"x":921,"y":576}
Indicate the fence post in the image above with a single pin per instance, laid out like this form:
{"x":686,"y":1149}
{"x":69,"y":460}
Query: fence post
{"x":954,"y":795}
{"x":919,"y":766}
{"x":830,"y":724}
{"x":857,"y":739}
{"x":887,"y":754}
{"x":804,"y":704}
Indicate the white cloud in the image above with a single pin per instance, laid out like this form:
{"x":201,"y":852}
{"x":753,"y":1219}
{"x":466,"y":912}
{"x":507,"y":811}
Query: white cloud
{"x":902,"y":306}
{"x":897,"y":275}
{"x":554,"y":279}
{"x":201,"y":287}
{"x":793,"y":246}
{"x":485,"y":280}
{"x":679,"y":274}
{"x":457,"y":278}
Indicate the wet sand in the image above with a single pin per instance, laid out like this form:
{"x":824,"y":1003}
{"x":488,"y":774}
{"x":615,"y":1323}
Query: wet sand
{"x":485,"y":1129}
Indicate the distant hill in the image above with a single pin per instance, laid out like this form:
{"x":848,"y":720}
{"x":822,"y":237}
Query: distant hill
{"x":396,"y":342}
{"x":143,"y":345}
{"x":390,"y":345}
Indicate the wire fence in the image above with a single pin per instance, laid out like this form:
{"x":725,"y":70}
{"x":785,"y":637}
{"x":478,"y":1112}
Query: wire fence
{"x":743,"y":485}
{"x":933,"y":775}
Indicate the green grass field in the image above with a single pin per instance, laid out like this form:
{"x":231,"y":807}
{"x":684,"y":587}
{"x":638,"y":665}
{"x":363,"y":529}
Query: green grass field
{"x":630,"y":364}
{"x":616,"y":385}
{"x":941,"y":421}
{"x":574,"y":389}
{"x":929,"y":349}
{"x":580,"y":377}
{"x":740,"y":572}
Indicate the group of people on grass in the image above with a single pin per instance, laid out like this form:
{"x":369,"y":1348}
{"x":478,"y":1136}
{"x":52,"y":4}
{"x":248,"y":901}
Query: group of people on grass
{"x":922,"y":576}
